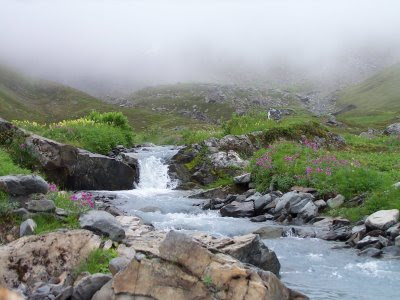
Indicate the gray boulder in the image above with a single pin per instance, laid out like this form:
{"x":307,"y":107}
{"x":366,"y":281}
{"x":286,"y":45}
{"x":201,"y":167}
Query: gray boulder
{"x":41,"y":206}
{"x":336,"y":202}
{"x":85,"y":288}
{"x":23,"y":185}
{"x":391,"y":252}
{"x":242,"y":179}
{"x":321,"y":204}
{"x":238,"y":209}
{"x":292,"y":199}
{"x":368,"y":240}
{"x":382,"y":219}
{"x":27,"y":228}
{"x":261,"y":202}
{"x":309,"y":211}
{"x":370,"y":252}
{"x":225,"y":160}
{"x":393,"y":129}
{"x":103,"y":223}
{"x":117,"y":264}
{"x":393,"y":231}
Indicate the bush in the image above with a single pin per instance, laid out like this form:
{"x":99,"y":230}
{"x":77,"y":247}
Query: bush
{"x":97,"y":262}
{"x":97,"y":132}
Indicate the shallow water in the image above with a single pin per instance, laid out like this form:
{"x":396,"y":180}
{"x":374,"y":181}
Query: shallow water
{"x":308,"y":265}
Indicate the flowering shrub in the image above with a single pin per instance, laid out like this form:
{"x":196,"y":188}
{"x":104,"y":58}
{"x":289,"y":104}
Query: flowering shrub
{"x":74,"y":204}
{"x":286,"y":164}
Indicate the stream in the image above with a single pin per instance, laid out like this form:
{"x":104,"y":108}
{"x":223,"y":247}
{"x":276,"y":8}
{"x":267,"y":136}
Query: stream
{"x":308,"y":265}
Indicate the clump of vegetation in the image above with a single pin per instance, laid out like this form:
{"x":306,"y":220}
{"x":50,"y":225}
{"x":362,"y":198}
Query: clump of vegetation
{"x":207,"y":280}
{"x":97,"y":132}
{"x":196,"y":136}
{"x":97,"y":262}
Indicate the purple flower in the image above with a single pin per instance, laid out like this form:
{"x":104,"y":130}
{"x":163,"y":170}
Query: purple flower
{"x":309,"y":170}
{"x":53,"y":187}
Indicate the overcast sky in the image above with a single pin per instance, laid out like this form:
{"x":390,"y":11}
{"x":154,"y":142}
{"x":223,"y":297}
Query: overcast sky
{"x":108,"y":44}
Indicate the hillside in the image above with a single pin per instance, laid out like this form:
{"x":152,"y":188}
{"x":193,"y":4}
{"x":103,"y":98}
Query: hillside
{"x":24,"y":98}
{"x":376,"y":100}
{"x":213,"y":102}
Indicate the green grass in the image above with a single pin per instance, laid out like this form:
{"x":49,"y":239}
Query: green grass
{"x":97,"y":132}
{"x":8,"y":167}
{"x":377,"y":100}
{"x":48,"y":223}
{"x":97,"y":262}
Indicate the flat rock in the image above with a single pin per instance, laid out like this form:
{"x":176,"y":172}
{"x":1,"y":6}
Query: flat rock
{"x":23,"y":185}
{"x":391,"y":252}
{"x":41,"y":206}
{"x":242,"y":179}
{"x":382,"y":219}
{"x":291,"y":198}
{"x":35,"y":258}
{"x":103,"y":223}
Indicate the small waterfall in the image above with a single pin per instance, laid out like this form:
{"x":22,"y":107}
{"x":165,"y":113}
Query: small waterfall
{"x":154,"y":170}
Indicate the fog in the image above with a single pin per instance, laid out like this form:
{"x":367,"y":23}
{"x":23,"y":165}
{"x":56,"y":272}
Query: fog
{"x":117,"y":46}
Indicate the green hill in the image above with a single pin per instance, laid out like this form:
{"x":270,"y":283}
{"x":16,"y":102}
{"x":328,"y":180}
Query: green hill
{"x":24,"y":98}
{"x":377,"y":100}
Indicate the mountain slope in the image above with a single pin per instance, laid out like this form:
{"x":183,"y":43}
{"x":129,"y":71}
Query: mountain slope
{"x":24,"y":98}
{"x":376,"y":100}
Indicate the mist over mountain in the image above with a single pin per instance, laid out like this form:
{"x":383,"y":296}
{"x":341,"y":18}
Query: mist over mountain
{"x":116,"y":47}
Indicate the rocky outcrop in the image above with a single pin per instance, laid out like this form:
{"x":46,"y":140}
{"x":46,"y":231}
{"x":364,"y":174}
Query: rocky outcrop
{"x":32,"y":259}
{"x":71,"y":167}
{"x":186,"y":270}
{"x":79,"y":169}
{"x":393,"y":129}
{"x":23,"y":185}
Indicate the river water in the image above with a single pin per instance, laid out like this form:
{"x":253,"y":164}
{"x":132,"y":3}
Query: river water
{"x":308,"y":265}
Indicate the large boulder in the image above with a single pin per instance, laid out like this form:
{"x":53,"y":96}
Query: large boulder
{"x":293,"y":201}
{"x":78,"y":169}
{"x":238,"y":209}
{"x":246,"y":248}
{"x":23,"y":185}
{"x":226,"y":160}
{"x":35,"y":258}
{"x":186,"y":270}
{"x":382,"y":219}
{"x":104,"y":223}
{"x":393,"y":129}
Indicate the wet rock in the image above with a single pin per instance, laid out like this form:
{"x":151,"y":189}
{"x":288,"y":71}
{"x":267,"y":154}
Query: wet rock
{"x":370,"y":252}
{"x":368,"y":240}
{"x":41,"y":206}
{"x":361,"y":230}
{"x":23,"y":185}
{"x":27,"y":228}
{"x":117,"y":264}
{"x":393,"y":129}
{"x":393,"y":231}
{"x":238,"y":210}
{"x":36,"y":258}
{"x":85,"y":288}
{"x":260,"y":218}
{"x":336,"y":202}
{"x":270,"y":232}
{"x":339,"y":234}
{"x":242,"y":179}
{"x":103,"y":223}
{"x":391,"y":252}
{"x":382,"y":219}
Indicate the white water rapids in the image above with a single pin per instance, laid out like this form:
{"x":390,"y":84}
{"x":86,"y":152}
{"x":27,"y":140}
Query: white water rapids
{"x":309,"y":265}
